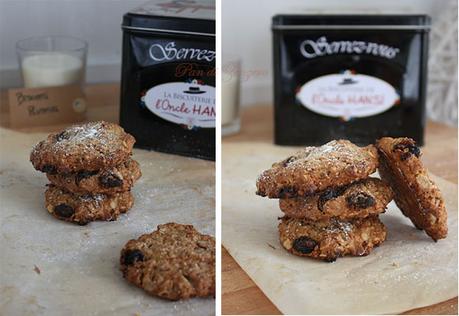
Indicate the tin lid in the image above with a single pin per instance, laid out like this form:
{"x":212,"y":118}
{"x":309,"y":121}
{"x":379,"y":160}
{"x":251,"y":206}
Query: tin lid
{"x":193,"y":17}
{"x":351,"y":22}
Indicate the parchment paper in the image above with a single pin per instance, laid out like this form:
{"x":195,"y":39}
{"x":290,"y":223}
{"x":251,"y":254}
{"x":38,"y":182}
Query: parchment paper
{"x":49,"y":267}
{"x":408,"y":271}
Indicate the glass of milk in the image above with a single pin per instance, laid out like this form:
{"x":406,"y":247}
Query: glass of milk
{"x":231,"y":74}
{"x":51,"y":61}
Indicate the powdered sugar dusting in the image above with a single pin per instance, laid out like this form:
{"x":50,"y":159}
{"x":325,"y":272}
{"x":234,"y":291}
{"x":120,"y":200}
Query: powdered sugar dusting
{"x":313,"y":169}
{"x":88,"y":146}
{"x":328,"y":147}
{"x":97,"y":198}
{"x":329,"y":154}
{"x":85,"y":133}
{"x":334,"y":150}
{"x":82,"y":134}
{"x":337,"y":226}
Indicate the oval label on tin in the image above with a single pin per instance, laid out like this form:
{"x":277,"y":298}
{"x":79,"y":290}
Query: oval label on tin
{"x":347,"y":95}
{"x":186,"y":103}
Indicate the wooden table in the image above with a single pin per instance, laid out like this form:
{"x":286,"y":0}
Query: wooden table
{"x":240,"y":295}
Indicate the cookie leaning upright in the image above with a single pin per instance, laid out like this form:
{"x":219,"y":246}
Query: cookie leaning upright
{"x":314,"y":169}
{"x":90,"y":147}
{"x":90,"y":170}
{"x":416,"y":194}
{"x":174,"y":262}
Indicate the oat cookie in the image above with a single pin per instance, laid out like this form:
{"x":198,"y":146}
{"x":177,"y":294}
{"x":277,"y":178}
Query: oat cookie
{"x":85,"y":147}
{"x":328,"y":240}
{"x":109,"y":181}
{"x":358,"y":200}
{"x":174,"y":262}
{"x":416,"y":194}
{"x":82,"y":209}
{"x":315,"y":169}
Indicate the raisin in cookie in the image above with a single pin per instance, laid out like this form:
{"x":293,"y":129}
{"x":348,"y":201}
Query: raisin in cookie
{"x":174,"y":262}
{"x":82,"y":209}
{"x":109,"y":181}
{"x":328,"y":240}
{"x":314,"y":169}
{"x":416,"y":194}
{"x":85,"y":147}
{"x":358,"y":200}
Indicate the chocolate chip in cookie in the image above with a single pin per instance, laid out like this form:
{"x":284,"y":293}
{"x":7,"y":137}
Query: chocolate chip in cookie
{"x":406,"y":148}
{"x":329,"y":194}
{"x":110,"y":180}
{"x":62,"y":136}
{"x":49,"y":169}
{"x":360,"y":200}
{"x":304,"y":244}
{"x":64,"y":210}
{"x":81,"y":175}
{"x":132,"y":256}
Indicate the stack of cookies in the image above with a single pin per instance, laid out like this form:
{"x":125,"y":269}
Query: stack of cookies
{"x":90,"y":170}
{"x":331,"y":204}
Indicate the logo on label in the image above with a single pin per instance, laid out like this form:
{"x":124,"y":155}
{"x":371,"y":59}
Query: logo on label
{"x":170,"y":52}
{"x":191,"y":104}
{"x":321,"y":47}
{"x":347,"y":95}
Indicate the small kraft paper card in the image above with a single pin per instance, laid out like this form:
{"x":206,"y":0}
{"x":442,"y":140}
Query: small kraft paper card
{"x":46,"y":106}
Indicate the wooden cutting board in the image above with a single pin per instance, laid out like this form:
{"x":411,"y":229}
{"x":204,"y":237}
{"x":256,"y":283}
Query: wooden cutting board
{"x":240,"y":295}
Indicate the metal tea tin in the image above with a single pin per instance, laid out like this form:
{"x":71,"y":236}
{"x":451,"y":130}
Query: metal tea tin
{"x":359,"y":77}
{"x":168,"y":77}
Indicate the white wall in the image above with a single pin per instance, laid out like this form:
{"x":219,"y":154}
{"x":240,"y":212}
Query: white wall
{"x":245,"y":24}
{"x":96,"y":21}
{"x":246,"y":31}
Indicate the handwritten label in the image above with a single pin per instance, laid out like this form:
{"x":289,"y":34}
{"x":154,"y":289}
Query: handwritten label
{"x":46,"y":106}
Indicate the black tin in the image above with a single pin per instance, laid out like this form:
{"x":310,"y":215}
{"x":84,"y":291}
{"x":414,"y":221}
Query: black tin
{"x":359,"y":77}
{"x":168,"y":77}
